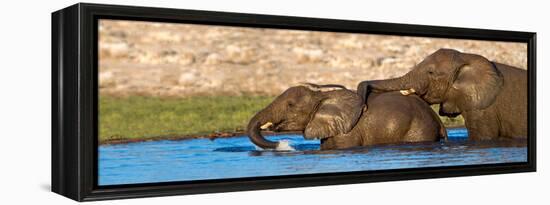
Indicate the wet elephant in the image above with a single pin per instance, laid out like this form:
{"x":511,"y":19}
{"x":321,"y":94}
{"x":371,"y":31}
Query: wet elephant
{"x":339,"y":118}
{"x":492,"y":97}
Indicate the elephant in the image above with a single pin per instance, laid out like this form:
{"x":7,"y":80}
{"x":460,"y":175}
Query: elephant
{"x":339,"y":119}
{"x":491,"y":96}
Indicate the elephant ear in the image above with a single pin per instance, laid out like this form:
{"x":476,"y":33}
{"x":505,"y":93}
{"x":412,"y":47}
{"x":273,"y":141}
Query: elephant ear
{"x":337,"y":114}
{"x":477,"y":82}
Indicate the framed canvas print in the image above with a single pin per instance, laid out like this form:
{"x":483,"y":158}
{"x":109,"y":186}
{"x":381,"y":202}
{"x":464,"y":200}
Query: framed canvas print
{"x":156,"y":101}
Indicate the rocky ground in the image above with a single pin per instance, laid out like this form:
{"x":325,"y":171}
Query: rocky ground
{"x":180,"y":60}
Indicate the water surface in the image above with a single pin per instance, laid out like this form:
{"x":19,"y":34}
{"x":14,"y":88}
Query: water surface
{"x":236,"y":157}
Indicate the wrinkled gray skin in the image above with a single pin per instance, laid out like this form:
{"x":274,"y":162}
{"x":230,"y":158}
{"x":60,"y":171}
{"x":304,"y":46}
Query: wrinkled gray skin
{"x":492,"y":97}
{"x":340,"y":119}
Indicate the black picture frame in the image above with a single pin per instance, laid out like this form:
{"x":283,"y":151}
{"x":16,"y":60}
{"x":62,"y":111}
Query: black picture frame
{"x":75,"y":96}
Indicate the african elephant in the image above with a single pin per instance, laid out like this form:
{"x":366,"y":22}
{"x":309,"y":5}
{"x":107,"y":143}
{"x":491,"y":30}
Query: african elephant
{"x":339,"y":118}
{"x":492,"y":97}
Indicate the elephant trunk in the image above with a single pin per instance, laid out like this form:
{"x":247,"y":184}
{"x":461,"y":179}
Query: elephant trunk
{"x":254,"y":134}
{"x":403,"y":84}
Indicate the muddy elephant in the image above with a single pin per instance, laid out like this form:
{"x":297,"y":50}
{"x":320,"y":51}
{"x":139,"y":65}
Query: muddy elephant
{"x":339,"y":118}
{"x":492,"y":97}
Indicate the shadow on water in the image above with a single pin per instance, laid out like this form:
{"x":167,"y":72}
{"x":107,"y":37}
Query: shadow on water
{"x":236,"y":157}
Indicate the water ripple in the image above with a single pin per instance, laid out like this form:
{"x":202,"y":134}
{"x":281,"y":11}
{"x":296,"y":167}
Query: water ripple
{"x":236,"y":157}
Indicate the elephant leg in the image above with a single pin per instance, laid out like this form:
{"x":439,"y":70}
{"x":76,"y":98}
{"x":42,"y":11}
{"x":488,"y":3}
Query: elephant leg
{"x":328,"y":144}
{"x":481,"y":125}
{"x":442,"y":130}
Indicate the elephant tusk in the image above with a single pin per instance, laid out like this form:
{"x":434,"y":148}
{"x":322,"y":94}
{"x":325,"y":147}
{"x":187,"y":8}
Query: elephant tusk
{"x":407,"y":92}
{"x":266,"y":125}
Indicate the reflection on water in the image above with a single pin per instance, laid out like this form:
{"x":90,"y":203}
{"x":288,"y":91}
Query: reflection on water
{"x":196,"y":159}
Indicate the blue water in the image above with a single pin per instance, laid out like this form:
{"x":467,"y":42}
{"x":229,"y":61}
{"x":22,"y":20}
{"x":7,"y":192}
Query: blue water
{"x":198,"y":159}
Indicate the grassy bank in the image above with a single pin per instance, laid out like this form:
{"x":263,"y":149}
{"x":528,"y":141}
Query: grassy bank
{"x":133,"y":118}
{"x":148,"y":117}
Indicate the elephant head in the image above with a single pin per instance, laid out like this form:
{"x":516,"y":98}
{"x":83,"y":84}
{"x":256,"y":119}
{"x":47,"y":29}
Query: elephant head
{"x":458,"y":81}
{"x":320,"y":111}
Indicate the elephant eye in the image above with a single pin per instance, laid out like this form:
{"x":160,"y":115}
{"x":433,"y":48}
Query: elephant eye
{"x":430,"y":72}
{"x":290,"y":104}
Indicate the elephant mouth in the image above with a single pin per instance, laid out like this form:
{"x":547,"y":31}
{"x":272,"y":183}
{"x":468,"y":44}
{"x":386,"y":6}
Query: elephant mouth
{"x":286,"y":126}
{"x":412,"y":91}
{"x":408,"y":91}
{"x":447,"y":113}
{"x":271,"y":126}
{"x":282,"y":126}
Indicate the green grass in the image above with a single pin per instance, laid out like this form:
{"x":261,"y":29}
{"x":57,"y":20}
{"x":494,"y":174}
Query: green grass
{"x":148,"y":117}
{"x":128,"y":118}
{"x":449,"y":122}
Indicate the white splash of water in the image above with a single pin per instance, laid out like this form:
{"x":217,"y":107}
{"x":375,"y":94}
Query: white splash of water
{"x":258,"y":148}
{"x":284,"y":145}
